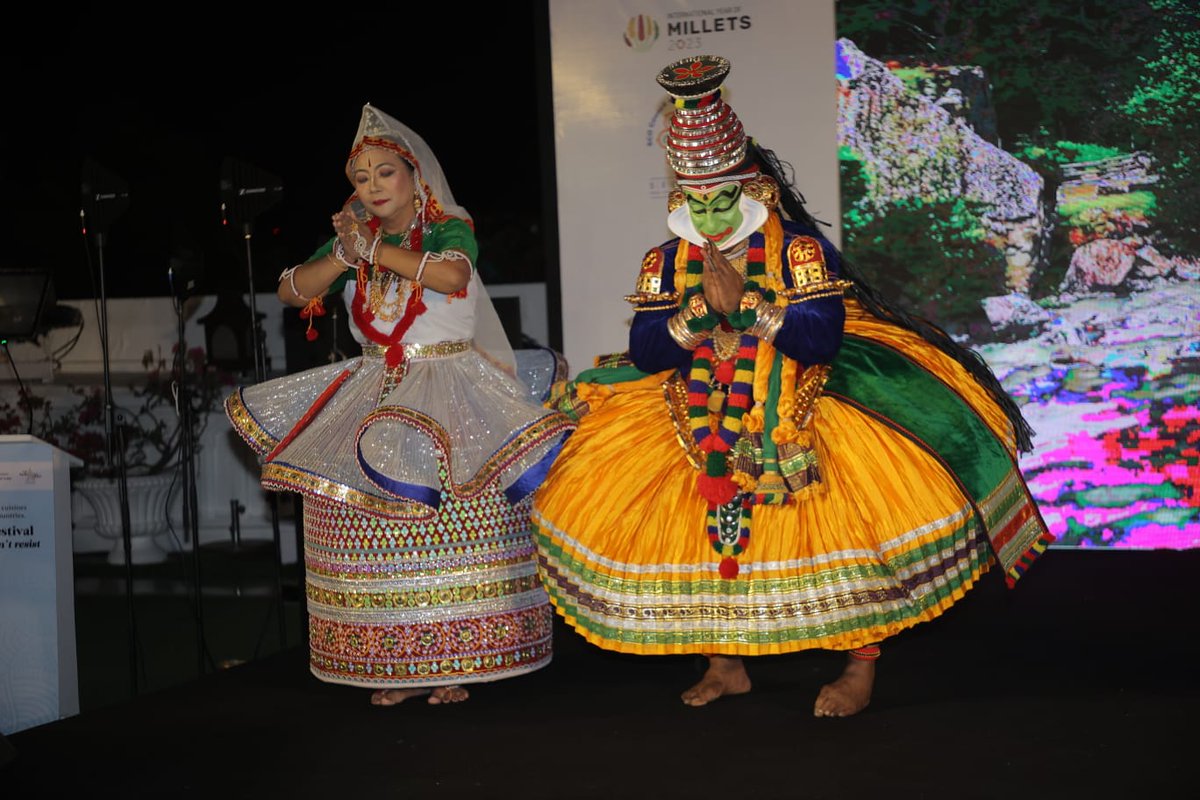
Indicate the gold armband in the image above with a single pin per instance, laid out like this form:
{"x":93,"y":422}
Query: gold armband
{"x":815,"y":291}
{"x":653,"y":302}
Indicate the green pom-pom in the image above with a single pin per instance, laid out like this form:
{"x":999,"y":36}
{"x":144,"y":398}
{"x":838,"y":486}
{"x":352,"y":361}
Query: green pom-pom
{"x":740,"y":320}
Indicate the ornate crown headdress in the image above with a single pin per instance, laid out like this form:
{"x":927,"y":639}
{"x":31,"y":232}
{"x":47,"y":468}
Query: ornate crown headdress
{"x":706,"y":144}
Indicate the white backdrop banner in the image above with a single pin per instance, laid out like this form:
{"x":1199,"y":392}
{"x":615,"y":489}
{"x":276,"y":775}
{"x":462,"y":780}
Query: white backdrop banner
{"x":609,"y":121}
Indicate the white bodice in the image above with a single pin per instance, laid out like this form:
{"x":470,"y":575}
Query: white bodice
{"x":444,"y":320}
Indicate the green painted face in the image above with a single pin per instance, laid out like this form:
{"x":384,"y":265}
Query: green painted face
{"x":717,"y":214}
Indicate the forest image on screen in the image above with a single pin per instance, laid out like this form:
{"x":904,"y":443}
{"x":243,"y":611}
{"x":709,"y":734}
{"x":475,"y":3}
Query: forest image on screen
{"x":1023,"y":173}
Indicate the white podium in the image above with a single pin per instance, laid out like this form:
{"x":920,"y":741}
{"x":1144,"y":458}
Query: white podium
{"x":38,"y":675}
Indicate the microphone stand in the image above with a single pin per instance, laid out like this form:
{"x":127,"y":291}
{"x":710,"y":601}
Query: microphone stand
{"x":115,"y":463}
{"x":187,"y":465}
{"x":258,"y":344}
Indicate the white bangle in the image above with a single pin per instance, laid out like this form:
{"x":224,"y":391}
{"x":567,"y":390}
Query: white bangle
{"x":448,"y":255}
{"x":426,"y":257}
{"x":290,"y":274}
{"x":339,"y":252}
{"x":374,"y":248}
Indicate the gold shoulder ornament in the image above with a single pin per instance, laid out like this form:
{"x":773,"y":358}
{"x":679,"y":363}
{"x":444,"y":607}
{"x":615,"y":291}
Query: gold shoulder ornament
{"x":810,"y":276}
{"x":649,"y":295}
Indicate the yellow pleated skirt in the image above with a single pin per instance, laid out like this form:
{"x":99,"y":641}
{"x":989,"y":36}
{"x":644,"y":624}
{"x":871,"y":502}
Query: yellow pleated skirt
{"x":885,"y":539}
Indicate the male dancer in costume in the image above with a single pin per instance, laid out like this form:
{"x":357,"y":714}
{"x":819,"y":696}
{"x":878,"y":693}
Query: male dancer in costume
{"x":782,"y":461}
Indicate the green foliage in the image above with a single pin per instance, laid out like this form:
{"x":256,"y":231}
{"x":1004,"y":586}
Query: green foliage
{"x":1168,"y":91}
{"x":1054,"y":66}
{"x":1165,"y":104}
{"x":1077,"y":81}
{"x":853,"y":184}
{"x":930,"y":257}
{"x":1063,"y":152}
{"x":1143,"y":203}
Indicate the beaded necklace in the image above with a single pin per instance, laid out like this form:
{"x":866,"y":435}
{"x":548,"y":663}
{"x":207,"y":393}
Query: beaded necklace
{"x":381,"y":283}
{"x":364,"y":315}
{"x":723,"y":387}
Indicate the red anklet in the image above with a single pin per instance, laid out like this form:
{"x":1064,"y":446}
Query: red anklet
{"x":868,"y":653}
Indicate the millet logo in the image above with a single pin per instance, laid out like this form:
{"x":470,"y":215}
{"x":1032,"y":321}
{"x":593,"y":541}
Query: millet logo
{"x":641,"y":33}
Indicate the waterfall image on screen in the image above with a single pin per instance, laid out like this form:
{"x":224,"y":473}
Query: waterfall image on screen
{"x":1024,"y":176}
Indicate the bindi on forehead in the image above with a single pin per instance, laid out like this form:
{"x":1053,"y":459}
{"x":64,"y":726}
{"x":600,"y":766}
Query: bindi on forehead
{"x":373,"y":158}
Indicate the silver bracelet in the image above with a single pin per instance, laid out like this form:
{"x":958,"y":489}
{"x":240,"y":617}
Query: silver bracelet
{"x":339,"y":252}
{"x":361,"y":246}
{"x":290,"y":274}
{"x":375,"y":248}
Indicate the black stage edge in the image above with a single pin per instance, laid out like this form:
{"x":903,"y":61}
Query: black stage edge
{"x":1079,"y":683}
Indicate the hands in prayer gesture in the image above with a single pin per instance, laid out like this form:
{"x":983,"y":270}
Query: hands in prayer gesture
{"x":723,"y":286}
{"x":354,"y":235}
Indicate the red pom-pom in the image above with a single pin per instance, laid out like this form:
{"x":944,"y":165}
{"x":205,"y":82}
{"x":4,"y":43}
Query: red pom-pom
{"x":311,"y":334}
{"x":712,"y":443}
{"x":729,"y":568}
{"x":717,"y":491}
{"x":395,"y":356}
{"x":724,"y":372}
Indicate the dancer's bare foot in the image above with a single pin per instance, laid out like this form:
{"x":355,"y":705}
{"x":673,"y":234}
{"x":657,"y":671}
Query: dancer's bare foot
{"x":442,"y":694}
{"x":391,"y":697}
{"x":850,"y":693}
{"x":448,"y":694}
{"x":725,"y":676}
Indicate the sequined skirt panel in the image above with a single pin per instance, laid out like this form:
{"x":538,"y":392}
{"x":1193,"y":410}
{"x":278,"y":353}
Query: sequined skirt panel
{"x":381,"y":440}
{"x":402,"y":603}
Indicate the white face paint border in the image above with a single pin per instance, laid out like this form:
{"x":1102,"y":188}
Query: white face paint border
{"x":754,"y":214}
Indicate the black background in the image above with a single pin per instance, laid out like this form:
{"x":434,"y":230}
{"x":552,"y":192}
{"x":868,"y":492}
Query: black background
{"x":163,"y":98}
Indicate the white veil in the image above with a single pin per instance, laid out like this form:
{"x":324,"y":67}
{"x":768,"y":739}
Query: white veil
{"x":377,"y":129}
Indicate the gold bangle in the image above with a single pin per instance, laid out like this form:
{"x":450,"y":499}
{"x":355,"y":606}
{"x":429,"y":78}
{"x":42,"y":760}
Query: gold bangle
{"x":681,"y":333}
{"x":768,"y":322}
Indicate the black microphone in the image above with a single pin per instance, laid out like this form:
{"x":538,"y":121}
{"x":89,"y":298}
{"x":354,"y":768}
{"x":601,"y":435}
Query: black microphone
{"x":184,"y":275}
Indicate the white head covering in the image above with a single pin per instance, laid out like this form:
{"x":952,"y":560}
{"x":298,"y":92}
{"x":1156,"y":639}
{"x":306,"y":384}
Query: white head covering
{"x":379,"y":130}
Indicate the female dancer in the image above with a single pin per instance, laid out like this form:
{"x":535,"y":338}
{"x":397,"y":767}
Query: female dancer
{"x":416,"y":460}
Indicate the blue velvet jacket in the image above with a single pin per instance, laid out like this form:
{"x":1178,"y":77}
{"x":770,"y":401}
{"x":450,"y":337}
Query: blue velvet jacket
{"x":812,"y":329}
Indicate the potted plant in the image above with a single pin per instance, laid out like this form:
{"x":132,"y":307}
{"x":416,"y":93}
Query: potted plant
{"x":147,"y":433}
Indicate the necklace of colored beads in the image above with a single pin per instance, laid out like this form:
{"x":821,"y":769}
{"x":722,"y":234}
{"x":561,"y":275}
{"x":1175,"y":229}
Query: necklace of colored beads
{"x":723,"y":387}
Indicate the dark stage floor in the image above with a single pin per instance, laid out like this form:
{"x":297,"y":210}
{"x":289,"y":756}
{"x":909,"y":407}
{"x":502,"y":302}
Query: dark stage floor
{"x":1079,"y":683}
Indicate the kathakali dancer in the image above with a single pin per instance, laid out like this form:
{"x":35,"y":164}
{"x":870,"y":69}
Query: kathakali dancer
{"x":781,"y":461}
{"x":417,"y":460}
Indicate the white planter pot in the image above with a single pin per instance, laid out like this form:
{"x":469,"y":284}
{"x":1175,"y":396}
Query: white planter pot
{"x":148,"y":497}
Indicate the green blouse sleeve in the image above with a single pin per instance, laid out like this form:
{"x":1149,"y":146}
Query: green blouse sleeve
{"x":450,"y":234}
{"x":453,"y":234}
